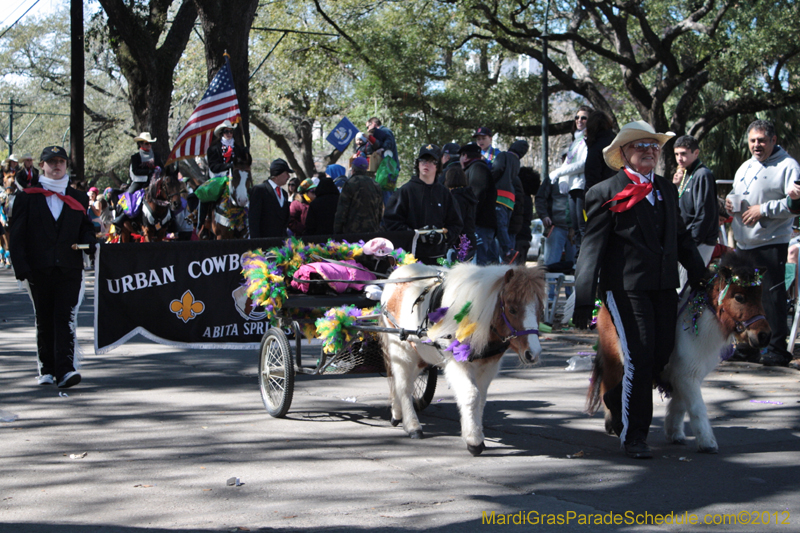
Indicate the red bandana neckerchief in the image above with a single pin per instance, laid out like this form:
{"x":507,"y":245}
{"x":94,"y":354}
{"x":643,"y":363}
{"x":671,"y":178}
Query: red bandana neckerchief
{"x":69,"y":200}
{"x":632,"y":194}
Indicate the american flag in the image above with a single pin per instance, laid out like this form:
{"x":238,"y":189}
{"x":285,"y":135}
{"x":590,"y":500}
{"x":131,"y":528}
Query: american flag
{"x":217,"y":104}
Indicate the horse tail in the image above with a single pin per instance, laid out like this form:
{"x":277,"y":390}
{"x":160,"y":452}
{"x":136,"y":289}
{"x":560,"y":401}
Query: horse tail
{"x":608,"y":368}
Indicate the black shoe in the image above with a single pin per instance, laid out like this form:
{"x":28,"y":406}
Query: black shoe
{"x":70,"y":379}
{"x":745,"y":353}
{"x":776,"y":357}
{"x":638,"y":449}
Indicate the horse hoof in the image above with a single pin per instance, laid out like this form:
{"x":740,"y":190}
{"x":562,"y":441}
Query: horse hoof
{"x":416,"y":434}
{"x":679,"y":442}
{"x":709,"y":449}
{"x":476,"y":450}
{"x":396,"y":422}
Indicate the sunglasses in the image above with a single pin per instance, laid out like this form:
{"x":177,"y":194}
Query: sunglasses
{"x":581,"y":118}
{"x":227,"y":131}
{"x":642,"y":147}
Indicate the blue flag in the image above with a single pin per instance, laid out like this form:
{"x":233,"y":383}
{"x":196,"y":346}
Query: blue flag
{"x":342,"y":134}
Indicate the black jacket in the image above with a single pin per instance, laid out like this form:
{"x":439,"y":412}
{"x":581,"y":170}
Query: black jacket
{"x":479,"y":179}
{"x":21,"y":177}
{"x":140,"y":169}
{"x":322,"y":210}
{"x":416,"y":205}
{"x":466,"y":202}
{"x":266,"y":216}
{"x":596,"y":169}
{"x":216,"y":163}
{"x":624,"y":249}
{"x":39,"y":242}
{"x":698,"y":204}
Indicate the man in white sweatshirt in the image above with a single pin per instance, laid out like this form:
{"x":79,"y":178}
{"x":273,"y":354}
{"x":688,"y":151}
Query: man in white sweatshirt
{"x":766,"y":187}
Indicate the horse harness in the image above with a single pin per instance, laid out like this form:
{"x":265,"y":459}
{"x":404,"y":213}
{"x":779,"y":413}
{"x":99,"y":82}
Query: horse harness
{"x":436,"y":290}
{"x":698,"y":302}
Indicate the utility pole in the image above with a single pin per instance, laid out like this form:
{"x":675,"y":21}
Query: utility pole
{"x":10,"y":126}
{"x":545,"y":99}
{"x":10,"y":139}
{"x":77,"y":85}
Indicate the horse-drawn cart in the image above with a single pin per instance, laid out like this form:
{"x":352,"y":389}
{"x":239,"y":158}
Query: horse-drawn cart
{"x":357,"y":350}
{"x":281,"y":356}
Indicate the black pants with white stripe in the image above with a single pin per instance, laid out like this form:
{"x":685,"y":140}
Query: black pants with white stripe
{"x":55,"y":294}
{"x":645,"y":322}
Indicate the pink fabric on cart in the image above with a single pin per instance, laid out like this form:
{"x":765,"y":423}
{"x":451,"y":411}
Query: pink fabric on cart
{"x":332,"y":271}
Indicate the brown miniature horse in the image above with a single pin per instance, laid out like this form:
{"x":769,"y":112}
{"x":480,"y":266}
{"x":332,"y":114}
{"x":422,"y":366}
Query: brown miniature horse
{"x":162,"y":196}
{"x":730,"y":309}
{"x":483,"y":311}
{"x":230,"y":212}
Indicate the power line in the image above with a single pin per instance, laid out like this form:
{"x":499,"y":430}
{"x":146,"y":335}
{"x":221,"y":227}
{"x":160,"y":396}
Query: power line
{"x":11,"y":13}
{"x":20,"y":18}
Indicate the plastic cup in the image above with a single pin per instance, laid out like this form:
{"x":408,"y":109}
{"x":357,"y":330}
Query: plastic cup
{"x":736,"y":202}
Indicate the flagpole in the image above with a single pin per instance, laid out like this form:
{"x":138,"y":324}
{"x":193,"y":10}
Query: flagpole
{"x":227,"y":57}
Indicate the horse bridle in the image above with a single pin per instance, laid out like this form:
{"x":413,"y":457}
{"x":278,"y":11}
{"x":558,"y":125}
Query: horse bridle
{"x":739,"y":325}
{"x":514,"y":332}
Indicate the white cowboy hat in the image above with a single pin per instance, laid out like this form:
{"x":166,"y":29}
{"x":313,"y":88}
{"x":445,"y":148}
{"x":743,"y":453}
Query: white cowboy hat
{"x":27,"y":155}
{"x":225,"y":124}
{"x":632,"y":131}
{"x":144,"y":137}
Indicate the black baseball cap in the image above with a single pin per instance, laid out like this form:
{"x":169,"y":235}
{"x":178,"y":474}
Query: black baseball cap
{"x":470,"y":148}
{"x":483,"y":130}
{"x":450,"y":148}
{"x":279,"y":166}
{"x":53,"y":151}
{"x":429,"y":150}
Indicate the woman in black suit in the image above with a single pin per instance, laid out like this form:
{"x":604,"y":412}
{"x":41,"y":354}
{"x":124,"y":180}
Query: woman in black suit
{"x":633,"y":242}
{"x":47,"y":221}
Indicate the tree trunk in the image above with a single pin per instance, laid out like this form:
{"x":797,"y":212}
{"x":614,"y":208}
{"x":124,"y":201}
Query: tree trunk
{"x":147,"y":67}
{"x":226,"y":27}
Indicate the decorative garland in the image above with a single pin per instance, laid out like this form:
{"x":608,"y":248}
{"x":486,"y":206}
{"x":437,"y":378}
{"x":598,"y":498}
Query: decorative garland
{"x":266,"y":272}
{"x":461,"y":253}
{"x":337,"y":327}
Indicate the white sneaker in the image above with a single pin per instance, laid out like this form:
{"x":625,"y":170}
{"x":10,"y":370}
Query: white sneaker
{"x":70,"y":379}
{"x":46,"y":379}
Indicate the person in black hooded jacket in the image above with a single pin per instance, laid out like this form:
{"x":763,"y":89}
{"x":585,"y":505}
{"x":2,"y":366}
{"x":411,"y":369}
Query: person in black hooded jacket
{"x":456,"y":181}
{"x":322,"y":211}
{"x":599,"y":134}
{"x":421,"y":203}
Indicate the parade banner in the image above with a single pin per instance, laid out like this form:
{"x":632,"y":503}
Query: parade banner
{"x":187,"y":294}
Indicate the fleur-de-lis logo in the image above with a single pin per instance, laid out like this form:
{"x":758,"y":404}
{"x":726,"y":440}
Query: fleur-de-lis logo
{"x":187,"y":307}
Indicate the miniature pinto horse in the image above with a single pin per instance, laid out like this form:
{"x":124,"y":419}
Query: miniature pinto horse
{"x":230,"y":211}
{"x":729,"y":309}
{"x":482,"y":311}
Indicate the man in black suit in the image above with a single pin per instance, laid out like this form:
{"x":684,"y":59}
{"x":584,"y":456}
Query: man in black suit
{"x":47,"y":221}
{"x":269,"y":204}
{"x":634,"y":239}
{"x":27,"y":175}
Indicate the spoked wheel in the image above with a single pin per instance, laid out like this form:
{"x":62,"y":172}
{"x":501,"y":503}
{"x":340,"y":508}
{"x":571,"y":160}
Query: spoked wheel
{"x":276,"y":373}
{"x":425,"y":387}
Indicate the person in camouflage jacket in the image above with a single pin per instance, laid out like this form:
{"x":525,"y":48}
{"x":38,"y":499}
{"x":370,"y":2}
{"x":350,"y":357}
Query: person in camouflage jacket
{"x":360,"y":208}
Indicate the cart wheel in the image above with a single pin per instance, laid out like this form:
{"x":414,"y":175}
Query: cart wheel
{"x":276,"y":373}
{"x":425,"y":387}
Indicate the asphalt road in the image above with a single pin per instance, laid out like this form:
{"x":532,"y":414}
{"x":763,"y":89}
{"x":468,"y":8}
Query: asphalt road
{"x":163,"y":429}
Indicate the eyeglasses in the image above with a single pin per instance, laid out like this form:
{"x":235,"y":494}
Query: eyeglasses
{"x":642,"y":147}
{"x":581,"y":118}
